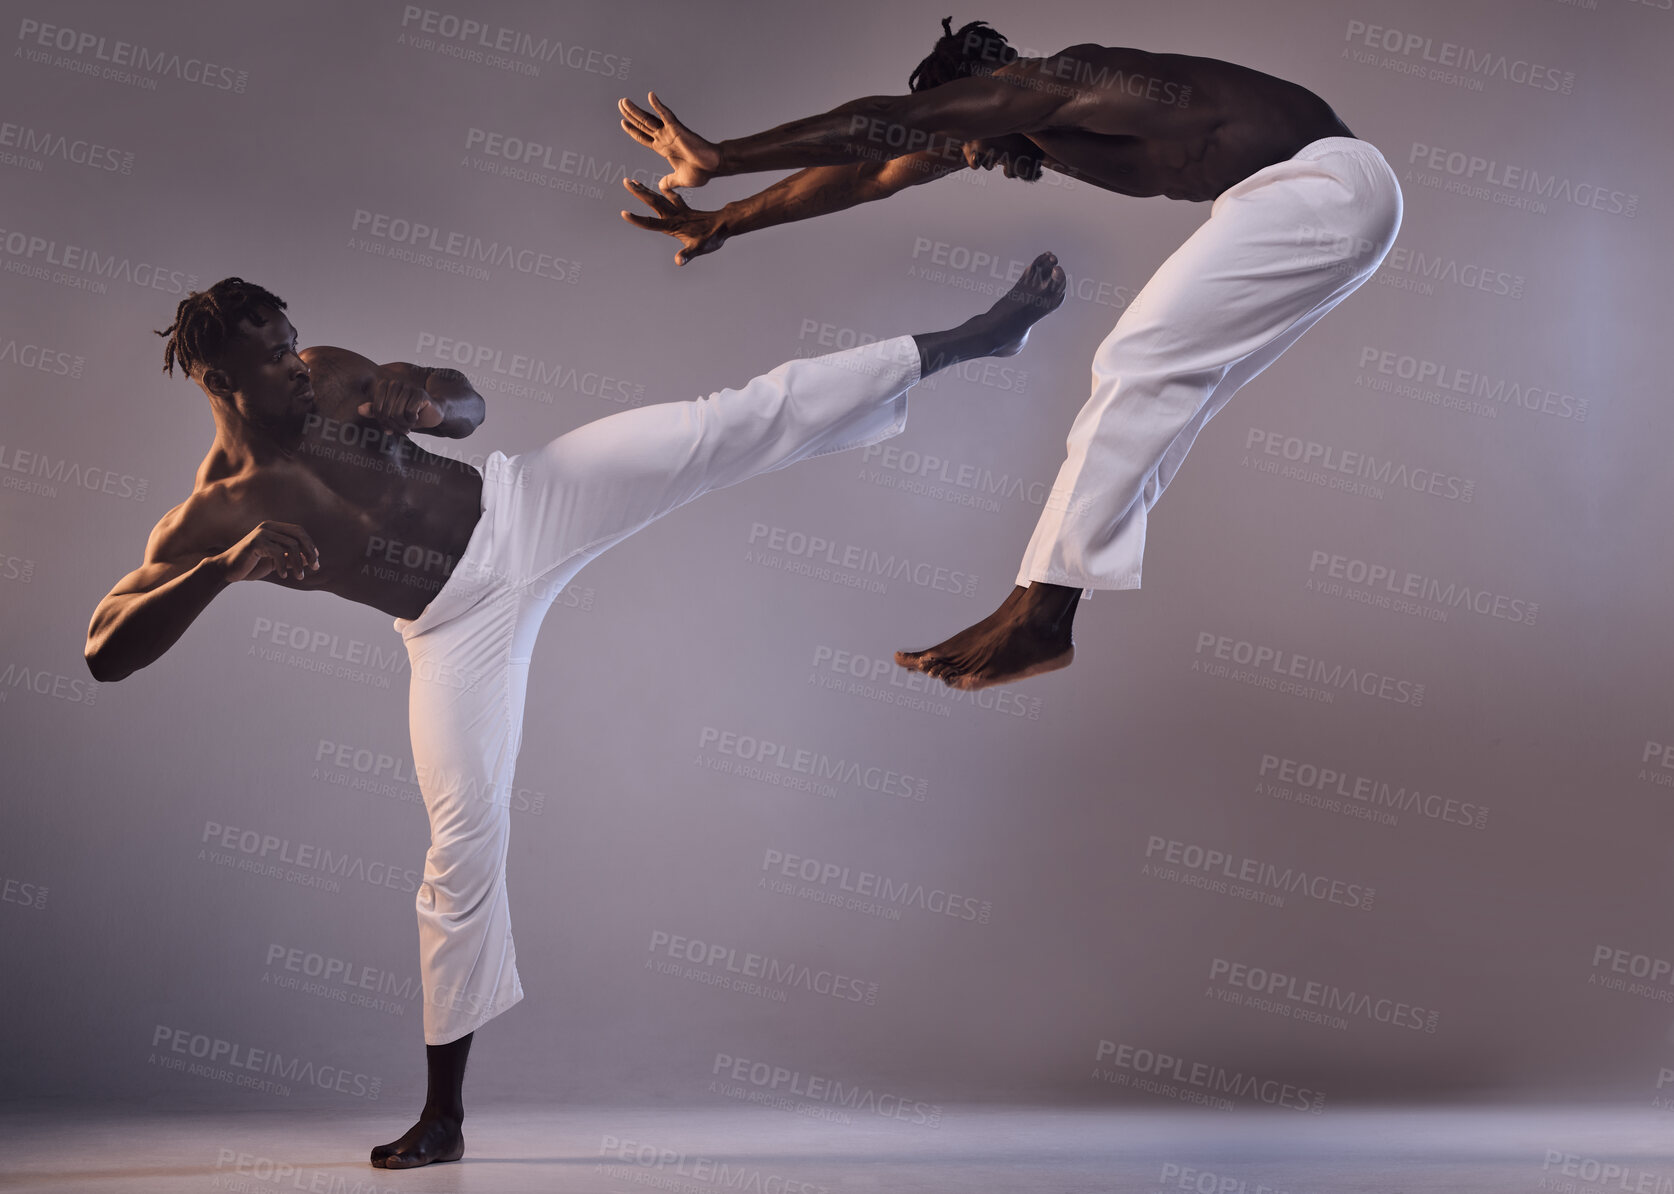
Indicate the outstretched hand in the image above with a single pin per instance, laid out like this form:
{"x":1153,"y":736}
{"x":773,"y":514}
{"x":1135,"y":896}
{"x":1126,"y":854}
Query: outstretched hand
{"x":699,"y":231}
{"x":692,"y":160}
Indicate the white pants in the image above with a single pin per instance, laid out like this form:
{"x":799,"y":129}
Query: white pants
{"x":544,"y":515}
{"x":1279,"y":250}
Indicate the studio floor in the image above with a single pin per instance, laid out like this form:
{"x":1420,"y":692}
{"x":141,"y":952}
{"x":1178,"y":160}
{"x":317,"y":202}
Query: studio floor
{"x":760,"y":1150}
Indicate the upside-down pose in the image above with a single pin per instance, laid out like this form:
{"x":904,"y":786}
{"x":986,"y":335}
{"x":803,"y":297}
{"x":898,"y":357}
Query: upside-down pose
{"x":1303,"y":213}
{"x":312,"y":483}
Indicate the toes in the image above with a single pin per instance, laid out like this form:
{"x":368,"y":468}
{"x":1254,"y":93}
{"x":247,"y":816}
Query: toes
{"x":908,"y":658}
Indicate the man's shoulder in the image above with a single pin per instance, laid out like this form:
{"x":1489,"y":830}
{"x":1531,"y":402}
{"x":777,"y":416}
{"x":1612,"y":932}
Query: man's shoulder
{"x":336,"y":360}
{"x":201,"y":521}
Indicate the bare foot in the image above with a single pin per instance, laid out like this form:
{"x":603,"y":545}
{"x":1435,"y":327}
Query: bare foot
{"x":433,"y":1139}
{"x":1028,"y":635}
{"x":1038,"y":293}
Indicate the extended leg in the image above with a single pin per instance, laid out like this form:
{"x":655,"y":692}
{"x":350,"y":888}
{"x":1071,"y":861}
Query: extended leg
{"x":569,"y":501}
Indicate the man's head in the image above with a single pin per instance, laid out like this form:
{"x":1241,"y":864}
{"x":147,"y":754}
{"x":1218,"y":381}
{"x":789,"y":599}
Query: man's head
{"x":977,"y":49}
{"x":235,"y":341}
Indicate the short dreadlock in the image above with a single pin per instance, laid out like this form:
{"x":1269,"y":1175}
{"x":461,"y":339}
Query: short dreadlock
{"x":206,"y":320}
{"x":974,"y":49}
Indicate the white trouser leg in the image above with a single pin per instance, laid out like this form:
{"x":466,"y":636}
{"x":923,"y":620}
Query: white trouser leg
{"x":1279,"y":250}
{"x":545,"y":514}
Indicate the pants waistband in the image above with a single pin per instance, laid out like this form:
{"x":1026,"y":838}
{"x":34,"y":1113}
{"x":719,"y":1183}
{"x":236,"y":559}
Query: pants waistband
{"x":472,"y":574}
{"x":1329,"y":145}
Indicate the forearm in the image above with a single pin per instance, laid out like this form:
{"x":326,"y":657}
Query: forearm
{"x":831,"y":138}
{"x":133,"y":630}
{"x":462,"y":408}
{"x":813,"y":192}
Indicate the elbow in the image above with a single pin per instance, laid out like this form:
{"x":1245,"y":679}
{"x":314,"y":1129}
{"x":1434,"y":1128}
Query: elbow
{"x":101,"y":666}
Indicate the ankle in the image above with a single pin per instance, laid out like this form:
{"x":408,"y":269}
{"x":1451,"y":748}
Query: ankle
{"x":1048,"y":605}
{"x":453,"y":1113}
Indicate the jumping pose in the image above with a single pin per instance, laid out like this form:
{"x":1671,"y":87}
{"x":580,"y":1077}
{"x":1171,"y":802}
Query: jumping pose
{"x":311,"y":483}
{"x":1303,"y":213}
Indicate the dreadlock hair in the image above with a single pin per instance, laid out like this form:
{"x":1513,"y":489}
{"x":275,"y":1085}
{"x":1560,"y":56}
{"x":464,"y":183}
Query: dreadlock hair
{"x":206,"y":320}
{"x":975,"y":49}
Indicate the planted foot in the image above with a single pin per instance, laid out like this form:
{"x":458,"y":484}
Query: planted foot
{"x":434,"y":1138}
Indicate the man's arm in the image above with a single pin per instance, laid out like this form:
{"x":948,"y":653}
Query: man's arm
{"x":815,"y":191}
{"x":876,"y":126}
{"x":448,"y":391}
{"x":149,"y":609}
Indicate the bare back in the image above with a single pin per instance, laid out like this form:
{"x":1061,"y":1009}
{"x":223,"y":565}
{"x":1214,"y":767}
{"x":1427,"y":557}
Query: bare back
{"x":1168,"y":124}
{"x":389,"y":518}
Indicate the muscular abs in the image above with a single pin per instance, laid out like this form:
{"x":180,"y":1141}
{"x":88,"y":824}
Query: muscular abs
{"x":389,"y":518}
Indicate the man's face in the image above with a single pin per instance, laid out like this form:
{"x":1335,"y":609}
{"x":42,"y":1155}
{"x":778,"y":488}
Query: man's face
{"x":1016,"y":155}
{"x":265,"y":377}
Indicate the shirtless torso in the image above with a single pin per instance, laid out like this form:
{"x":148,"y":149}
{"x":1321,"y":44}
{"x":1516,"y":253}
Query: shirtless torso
{"x":1203,"y":124}
{"x":308,"y":490}
{"x":389,"y":518}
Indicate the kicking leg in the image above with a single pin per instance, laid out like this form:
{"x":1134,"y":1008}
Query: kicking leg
{"x":569,"y":501}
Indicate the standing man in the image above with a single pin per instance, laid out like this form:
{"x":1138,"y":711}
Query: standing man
{"x":311,"y":483}
{"x":1303,"y":213}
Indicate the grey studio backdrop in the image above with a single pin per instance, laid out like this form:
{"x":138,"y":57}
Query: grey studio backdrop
{"x":1365,"y":795}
